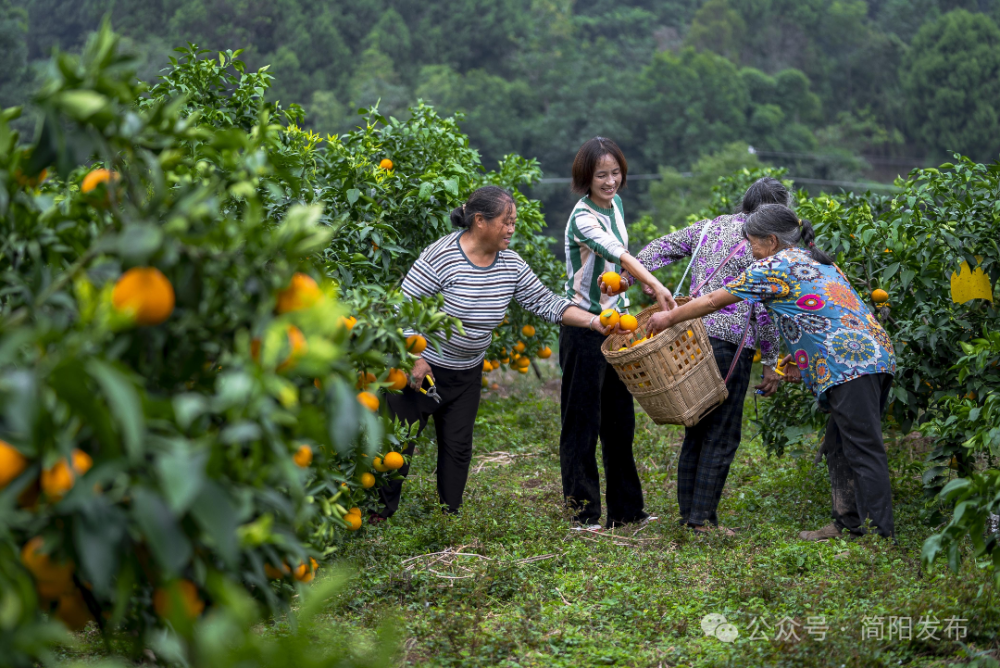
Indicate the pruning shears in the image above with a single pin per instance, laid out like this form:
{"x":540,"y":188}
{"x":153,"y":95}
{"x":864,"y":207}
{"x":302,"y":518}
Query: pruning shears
{"x":431,"y":391}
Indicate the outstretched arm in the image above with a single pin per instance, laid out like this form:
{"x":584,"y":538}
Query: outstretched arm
{"x":696,"y":308}
{"x":634,"y":268}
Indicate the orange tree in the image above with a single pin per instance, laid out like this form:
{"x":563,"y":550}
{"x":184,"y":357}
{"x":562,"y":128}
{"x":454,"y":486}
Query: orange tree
{"x":910,"y":245}
{"x":179,"y":378}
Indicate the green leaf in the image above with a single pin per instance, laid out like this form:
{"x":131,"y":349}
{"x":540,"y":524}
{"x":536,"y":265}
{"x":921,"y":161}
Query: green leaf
{"x":99,"y":531}
{"x":138,"y":242}
{"x":216,"y":515}
{"x":352,"y":195}
{"x":451,"y":185}
{"x":426,"y":188}
{"x":181,"y":473}
{"x":890,"y":271}
{"x":124,"y":402}
{"x":81,"y":104}
{"x":161,"y":530}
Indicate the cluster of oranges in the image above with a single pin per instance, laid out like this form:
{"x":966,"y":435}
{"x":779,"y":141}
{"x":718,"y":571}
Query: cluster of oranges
{"x":54,"y":482}
{"x":304,"y":572}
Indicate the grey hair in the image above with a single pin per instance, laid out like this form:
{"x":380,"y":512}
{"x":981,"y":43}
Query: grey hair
{"x":781,"y":222}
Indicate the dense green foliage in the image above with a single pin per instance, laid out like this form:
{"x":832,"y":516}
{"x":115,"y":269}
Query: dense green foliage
{"x":668,"y":79}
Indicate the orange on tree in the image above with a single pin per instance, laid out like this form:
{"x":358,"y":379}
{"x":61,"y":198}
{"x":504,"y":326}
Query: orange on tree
{"x":30,"y":181}
{"x":628,"y":322}
{"x":495,"y":386}
{"x":298,"y":345}
{"x":379,"y":466}
{"x":365,"y":379}
{"x":97,"y":177}
{"x":386,"y":164}
{"x":495,"y":364}
{"x":520,"y":347}
{"x":306,"y":572}
{"x":303,"y":456}
{"x":73,"y":611}
{"x":522,"y":369}
{"x":505,"y":360}
{"x":397,"y":379}
{"x":353,"y":521}
{"x":612,"y":280}
{"x":354,"y":511}
{"x":368,"y":400}
{"x":415,"y":344}
{"x":301,"y":293}
{"x":609,"y":317}
{"x":53,"y":579}
{"x":528,"y":331}
{"x":486,"y":383}
{"x":187,"y":591}
{"x":880,"y":296}
{"x":12,"y":463}
{"x":348,"y":321}
{"x":545,"y":353}
{"x":367,"y":480}
{"x":393,"y":461}
{"x":59,"y":479}
{"x":524,"y":363}
{"x":487,"y":367}
{"x":146,"y":294}
{"x":275,"y":573}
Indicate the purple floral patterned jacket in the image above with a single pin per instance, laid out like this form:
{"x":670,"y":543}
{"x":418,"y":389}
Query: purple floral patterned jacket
{"x":722,"y":235}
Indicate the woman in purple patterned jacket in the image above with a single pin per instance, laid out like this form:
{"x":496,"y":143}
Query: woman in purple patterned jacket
{"x":710,"y":446}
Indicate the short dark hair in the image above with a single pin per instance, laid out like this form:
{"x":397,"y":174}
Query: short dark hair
{"x":491,"y":201}
{"x":765,"y":190}
{"x":585,"y":163}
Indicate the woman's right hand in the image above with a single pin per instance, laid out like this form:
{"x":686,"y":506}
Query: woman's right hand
{"x":420,"y":370}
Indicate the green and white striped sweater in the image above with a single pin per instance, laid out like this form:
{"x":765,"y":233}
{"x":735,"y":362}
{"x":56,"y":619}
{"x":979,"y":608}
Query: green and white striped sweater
{"x":595,"y":241}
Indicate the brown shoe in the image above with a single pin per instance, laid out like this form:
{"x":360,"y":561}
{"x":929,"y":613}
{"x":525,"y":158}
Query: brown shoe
{"x":826,"y":533}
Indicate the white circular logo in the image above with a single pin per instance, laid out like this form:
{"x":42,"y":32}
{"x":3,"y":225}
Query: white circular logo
{"x":711,"y":621}
{"x":726,"y":632}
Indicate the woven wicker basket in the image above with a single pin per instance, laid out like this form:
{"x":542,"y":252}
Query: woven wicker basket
{"x":673,"y":376}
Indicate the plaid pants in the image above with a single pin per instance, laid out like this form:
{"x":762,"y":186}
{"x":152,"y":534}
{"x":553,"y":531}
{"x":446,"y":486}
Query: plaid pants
{"x":710,"y":446}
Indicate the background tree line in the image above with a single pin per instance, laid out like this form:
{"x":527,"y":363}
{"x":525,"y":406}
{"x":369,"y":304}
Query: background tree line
{"x":682,"y":85}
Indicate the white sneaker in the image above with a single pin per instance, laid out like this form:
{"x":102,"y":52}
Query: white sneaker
{"x":587,"y":527}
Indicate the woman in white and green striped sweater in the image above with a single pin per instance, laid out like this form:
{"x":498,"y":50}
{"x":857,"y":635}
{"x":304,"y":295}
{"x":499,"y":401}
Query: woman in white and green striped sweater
{"x":595,"y":403}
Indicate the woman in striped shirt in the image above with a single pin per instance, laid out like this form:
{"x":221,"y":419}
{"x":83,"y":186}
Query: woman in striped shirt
{"x":478,"y":276}
{"x":595,"y":402}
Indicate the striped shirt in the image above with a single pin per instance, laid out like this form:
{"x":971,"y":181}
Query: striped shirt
{"x":478,"y":296}
{"x":595,"y":241}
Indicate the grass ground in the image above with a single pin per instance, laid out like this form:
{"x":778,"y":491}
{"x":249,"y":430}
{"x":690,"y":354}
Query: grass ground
{"x":507,"y":583}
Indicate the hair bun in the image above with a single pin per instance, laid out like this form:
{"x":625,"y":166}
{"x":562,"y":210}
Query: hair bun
{"x":458,"y":217}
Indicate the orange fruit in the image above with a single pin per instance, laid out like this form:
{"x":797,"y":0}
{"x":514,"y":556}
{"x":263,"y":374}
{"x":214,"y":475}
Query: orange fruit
{"x":879,"y":296}
{"x":12,"y":463}
{"x":354,"y":511}
{"x":612,"y":280}
{"x":522,"y":369}
{"x":415,"y":344}
{"x":368,"y":400}
{"x":95,"y":178}
{"x":393,"y":461}
{"x":73,"y":611}
{"x":528,"y":330}
{"x":301,"y":293}
{"x":145,"y":293}
{"x":367,"y":480}
{"x":303,"y":457}
{"x":397,"y":379}
{"x":545,"y":353}
{"x":275,"y":573}
{"x":487,"y":367}
{"x":386,"y":164}
{"x":628,"y":322}
{"x":59,"y":479}
{"x":349,"y":322}
{"x":379,"y":466}
{"x":757,"y":356}
{"x":306,"y":572}
{"x":53,"y":579}
{"x":29,"y":181}
{"x":495,"y":386}
{"x":486,"y":383}
{"x":298,"y":345}
{"x":609,"y":318}
{"x":365,"y":379}
{"x":523,"y":363}
{"x":495,"y":364}
{"x":505,"y":360}
{"x":519,"y":346}
{"x":353,"y":521}
{"x":163,"y":599}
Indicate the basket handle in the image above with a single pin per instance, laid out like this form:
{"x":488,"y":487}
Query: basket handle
{"x":740,"y":246}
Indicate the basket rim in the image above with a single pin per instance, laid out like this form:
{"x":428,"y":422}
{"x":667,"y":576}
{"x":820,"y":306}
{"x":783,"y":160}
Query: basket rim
{"x":614,"y":355}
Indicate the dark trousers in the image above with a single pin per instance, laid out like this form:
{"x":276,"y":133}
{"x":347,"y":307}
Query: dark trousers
{"x":710,"y":446}
{"x":855,"y":454}
{"x":595,"y":403}
{"x":454,"y":419}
